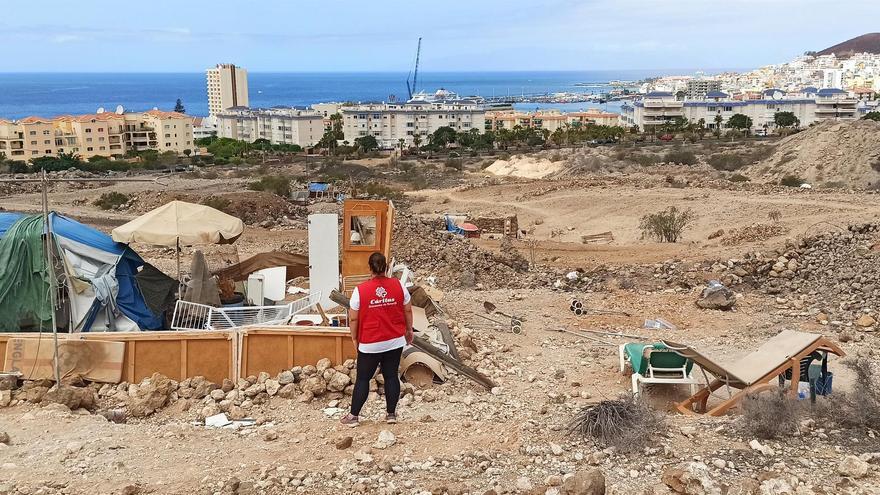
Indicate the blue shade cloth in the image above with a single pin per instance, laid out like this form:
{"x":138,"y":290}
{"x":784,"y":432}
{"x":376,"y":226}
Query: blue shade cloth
{"x":318,"y":186}
{"x":129,"y":299}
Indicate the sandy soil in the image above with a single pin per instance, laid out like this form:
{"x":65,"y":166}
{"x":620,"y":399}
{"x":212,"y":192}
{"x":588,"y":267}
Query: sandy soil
{"x":457,"y":438}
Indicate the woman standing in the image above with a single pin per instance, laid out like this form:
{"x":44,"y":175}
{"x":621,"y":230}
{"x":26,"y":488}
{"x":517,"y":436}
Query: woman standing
{"x":380,"y":318}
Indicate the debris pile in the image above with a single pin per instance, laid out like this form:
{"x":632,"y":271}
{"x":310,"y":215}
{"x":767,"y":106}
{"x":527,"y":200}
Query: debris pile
{"x":454,"y":260}
{"x":252,"y":207}
{"x":756,"y":232}
{"x":835,"y":272}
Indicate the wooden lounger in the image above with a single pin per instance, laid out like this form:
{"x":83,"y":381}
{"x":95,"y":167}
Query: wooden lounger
{"x":754,"y":372}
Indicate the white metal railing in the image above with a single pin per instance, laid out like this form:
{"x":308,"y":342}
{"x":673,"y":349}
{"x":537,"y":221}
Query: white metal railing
{"x":194,"y":316}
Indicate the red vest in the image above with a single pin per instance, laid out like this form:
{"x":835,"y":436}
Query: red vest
{"x":381,"y":315}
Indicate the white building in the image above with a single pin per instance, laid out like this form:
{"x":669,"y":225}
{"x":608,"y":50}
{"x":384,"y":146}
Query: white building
{"x":391,"y":122}
{"x":280,"y":125}
{"x":227,"y":88}
{"x":809,"y":105}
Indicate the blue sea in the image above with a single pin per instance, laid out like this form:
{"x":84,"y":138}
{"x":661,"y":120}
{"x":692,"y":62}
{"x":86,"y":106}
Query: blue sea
{"x":50,"y":94}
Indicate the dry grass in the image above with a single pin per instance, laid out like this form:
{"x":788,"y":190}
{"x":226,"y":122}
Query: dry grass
{"x":626,"y":424}
{"x":770,"y":415}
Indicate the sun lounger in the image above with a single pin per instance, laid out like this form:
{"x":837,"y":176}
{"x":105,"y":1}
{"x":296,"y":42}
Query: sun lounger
{"x":656,"y":363}
{"x":754,"y":372}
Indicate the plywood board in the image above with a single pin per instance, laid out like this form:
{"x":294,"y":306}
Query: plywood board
{"x":94,"y":361}
{"x":324,"y":255}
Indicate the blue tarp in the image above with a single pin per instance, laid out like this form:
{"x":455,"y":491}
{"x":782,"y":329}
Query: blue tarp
{"x":129,"y":299}
{"x":318,"y":186}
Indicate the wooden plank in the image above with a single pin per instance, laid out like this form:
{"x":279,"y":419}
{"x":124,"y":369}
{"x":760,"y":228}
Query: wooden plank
{"x":290,"y":351}
{"x":309,"y":349}
{"x":212,"y":359}
{"x":129,"y":358}
{"x":156,"y":356}
{"x":266,"y":353}
{"x":94,"y":361}
{"x":183,"y":356}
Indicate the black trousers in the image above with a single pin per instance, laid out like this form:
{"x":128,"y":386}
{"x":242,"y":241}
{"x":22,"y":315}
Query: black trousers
{"x":389,"y":363}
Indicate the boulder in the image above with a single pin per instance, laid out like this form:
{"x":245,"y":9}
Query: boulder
{"x":717,"y":297}
{"x":322,"y":365}
{"x":72,"y":397}
{"x":865,"y":321}
{"x":590,"y":482}
{"x":344,"y":442}
{"x":853,"y":467}
{"x":691,"y":479}
{"x":338,"y":382}
{"x":272,"y":387}
{"x":288,"y":391}
{"x":386,"y":439}
{"x":8,"y":382}
{"x":314,"y":385}
{"x":285,"y":378}
{"x":152,"y":395}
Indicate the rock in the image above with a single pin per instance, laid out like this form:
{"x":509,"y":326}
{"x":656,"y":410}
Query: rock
{"x":691,"y":479}
{"x":202,"y":387}
{"x":218,"y":394}
{"x":764,"y":449}
{"x":5,"y":398}
{"x":272,"y":387}
{"x":288,"y":391}
{"x":746,"y":486}
{"x":688,"y":431}
{"x":270,"y":436}
{"x":865,"y":321}
{"x":286,"y":377}
{"x":314,"y":385}
{"x":4,"y":438}
{"x":152,"y":395}
{"x":775,"y":486}
{"x":718,"y":233}
{"x":590,"y":482}
{"x":322,"y":365}
{"x":386,"y":439}
{"x":227,"y":385}
{"x":556,"y":449}
{"x":523,"y":484}
{"x":853,"y":467}
{"x":719,"y":297}
{"x":344,"y":442}
{"x":72,"y":397}
{"x":8,"y":382}
{"x":338,"y":382}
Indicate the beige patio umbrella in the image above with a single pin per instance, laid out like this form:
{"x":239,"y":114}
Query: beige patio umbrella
{"x":179,"y":223}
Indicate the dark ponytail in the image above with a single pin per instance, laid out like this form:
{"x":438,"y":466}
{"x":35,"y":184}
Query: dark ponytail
{"x":378,"y":264}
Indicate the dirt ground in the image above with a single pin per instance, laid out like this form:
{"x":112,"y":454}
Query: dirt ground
{"x":457,"y":437}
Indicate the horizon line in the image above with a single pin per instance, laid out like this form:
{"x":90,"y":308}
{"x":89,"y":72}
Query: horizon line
{"x":473,"y":71}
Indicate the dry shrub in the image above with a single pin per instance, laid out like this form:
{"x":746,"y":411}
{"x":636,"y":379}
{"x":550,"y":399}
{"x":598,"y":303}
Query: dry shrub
{"x":682,"y":157}
{"x":111,"y":200}
{"x":859,"y":408}
{"x":667,"y":225}
{"x":770,"y":415}
{"x":775,"y":215}
{"x":626,"y":424}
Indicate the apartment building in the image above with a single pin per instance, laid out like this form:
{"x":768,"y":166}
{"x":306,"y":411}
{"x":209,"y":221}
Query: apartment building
{"x":548,"y":119}
{"x":697,"y":89}
{"x":391,"y":122}
{"x":809,"y":105}
{"x":280,"y":125}
{"x":102,"y":134}
{"x":227,"y":88}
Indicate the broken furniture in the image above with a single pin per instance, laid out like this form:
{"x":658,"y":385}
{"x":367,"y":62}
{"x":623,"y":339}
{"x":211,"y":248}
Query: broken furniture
{"x":754,"y":372}
{"x":656,"y":363}
{"x":366,"y":229}
{"x":516,"y":322}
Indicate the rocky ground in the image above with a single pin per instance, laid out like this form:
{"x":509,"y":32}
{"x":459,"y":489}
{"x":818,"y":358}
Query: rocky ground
{"x":813,"y":267}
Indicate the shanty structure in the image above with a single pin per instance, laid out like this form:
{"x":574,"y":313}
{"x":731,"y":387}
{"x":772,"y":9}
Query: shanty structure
{"x":179,"y":223}
{"x":99,"y":293}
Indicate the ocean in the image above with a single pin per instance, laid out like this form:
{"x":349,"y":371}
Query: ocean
{"x":51,"y":94}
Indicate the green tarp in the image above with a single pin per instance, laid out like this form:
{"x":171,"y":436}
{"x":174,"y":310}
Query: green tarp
{"x":24,"y":279}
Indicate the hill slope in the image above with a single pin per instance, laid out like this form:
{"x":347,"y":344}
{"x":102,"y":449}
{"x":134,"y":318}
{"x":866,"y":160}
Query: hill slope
{"x":830,"y":152}
{"x":869,"y":43}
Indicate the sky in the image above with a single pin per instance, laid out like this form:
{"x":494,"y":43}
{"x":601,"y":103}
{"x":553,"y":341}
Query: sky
{"x":474,"y":35}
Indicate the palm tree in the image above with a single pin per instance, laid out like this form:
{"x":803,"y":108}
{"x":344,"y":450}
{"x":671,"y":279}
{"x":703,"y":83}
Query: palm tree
{"x":718,"y":120}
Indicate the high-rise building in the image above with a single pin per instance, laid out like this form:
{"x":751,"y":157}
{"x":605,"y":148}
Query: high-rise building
{"x":697,"y":89}
{"x":227,"y":88}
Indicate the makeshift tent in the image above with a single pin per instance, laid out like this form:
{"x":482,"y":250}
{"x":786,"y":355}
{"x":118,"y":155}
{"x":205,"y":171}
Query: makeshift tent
{"x":102,"y":291}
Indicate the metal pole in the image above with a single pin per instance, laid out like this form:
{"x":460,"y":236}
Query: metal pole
{"x":51,"y":269}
